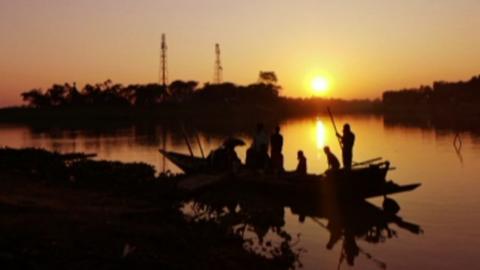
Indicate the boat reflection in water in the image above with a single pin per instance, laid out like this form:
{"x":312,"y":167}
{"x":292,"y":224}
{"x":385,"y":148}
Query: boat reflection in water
{"x":258,"y":216}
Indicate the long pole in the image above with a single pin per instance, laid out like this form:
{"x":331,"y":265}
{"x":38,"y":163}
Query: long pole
{"x":164,"y":139}
{"x":199,"y":144}
{"x":367,"y":161}
{"x":186,"y":140}
{"x":334,"y":126}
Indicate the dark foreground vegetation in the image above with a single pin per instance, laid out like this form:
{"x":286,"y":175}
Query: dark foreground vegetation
{"x":67,"y":211}
{"x":70,"y":212}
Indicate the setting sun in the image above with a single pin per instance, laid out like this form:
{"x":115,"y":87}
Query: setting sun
{"x":320,"y":85}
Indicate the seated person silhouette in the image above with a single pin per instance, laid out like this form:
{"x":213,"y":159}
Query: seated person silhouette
{"x":302,"y":164}
{"x":333,"y":163}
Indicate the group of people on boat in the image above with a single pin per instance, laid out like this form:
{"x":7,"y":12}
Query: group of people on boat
{"x":225,"y":158}
{"x":347,"y":140}
{"x":258,"y":158}
{"x":257,"y":153}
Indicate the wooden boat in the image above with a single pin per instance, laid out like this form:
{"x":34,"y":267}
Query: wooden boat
{"x":368,"y":180}
{"x":317,"y":186}
{"x":359,"y":183}
{"x":188,"y":164}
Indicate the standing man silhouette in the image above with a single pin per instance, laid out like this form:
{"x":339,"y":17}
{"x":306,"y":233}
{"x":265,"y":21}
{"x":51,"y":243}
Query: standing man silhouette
{"x":348,"y":140}
{"x":257,"y":154}
{"x":276,"y":145}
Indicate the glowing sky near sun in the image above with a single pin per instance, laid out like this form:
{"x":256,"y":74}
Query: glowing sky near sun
{"x":363,"y":47}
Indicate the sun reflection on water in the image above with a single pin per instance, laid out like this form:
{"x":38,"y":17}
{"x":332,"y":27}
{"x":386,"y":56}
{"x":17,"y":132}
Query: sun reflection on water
{"x":320,"y":134}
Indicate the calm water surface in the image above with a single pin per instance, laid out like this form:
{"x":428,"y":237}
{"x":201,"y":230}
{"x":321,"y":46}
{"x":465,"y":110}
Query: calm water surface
{"x":447,"y":206}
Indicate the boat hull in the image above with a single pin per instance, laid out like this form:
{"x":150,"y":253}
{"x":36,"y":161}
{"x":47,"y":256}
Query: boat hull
{"x":358,"y":183}
{"x":188,"y":164}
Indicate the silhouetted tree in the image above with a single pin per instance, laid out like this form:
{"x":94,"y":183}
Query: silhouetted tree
{"x":146,"y":95}
{"x":36,"y":98}
{"x":56,"y":95}
{"x":263,"y":91}
{"x":267,"y":77}
{"x":182,"y":90}
{"x":73,"y":96}
{"x":441,"y":97}
{"x":107,"y":94}
{"x":224,"y":92}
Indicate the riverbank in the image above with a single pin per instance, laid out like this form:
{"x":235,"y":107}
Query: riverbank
{"x":223,"y":119}
{"x":104,"y":219}
{"x":204,"y":112}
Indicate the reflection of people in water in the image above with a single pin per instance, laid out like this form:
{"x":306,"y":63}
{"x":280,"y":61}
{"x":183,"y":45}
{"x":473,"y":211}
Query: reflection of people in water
{"x":350,"y":247}
{"x":264,"y":221}
{"x":302,"y":163}
{"x":348,"y":140}
{"x":362,"y":221}
{"x":276,"y":144}
{"x":333,"y":163}
{"x":335,"y":233}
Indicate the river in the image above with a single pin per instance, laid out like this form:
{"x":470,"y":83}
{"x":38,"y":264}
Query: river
{"x":446,"y":206}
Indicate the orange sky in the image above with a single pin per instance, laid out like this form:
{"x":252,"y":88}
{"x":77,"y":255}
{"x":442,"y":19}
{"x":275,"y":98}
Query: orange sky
{"x":364,"y":47}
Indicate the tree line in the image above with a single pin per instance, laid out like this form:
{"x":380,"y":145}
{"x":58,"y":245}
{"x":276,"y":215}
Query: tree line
{"x":442,"y":95}
{"x":109,"y":94}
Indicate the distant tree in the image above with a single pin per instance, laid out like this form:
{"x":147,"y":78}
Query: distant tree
{"x":73,"y":96}
{"x":146,"y":95}
{"x":224,"y":92}
{"x":264,"y":92}
{"x":57,"y":95}
{"x":91,"y":94}
{"x":35,"y":98}
{"x":182,"y":90}
{"x":267,"y":77}
{"x":441,"y":96}
{"x":116,"y":95}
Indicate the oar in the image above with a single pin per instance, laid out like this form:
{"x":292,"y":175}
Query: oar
{"x":334,"y":127}
{"x":366,"y":161}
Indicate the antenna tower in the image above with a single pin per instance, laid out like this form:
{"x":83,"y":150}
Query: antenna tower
{"x":217,"y":79}
{"x":163,"y":62}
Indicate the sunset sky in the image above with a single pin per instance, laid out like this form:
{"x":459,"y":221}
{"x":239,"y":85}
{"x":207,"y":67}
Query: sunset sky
{"x":362,"y":47}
